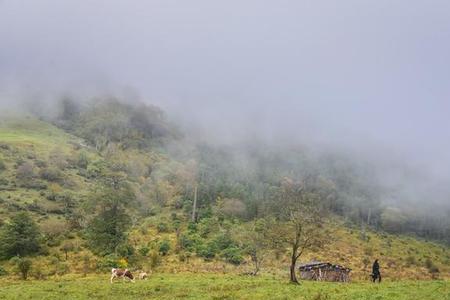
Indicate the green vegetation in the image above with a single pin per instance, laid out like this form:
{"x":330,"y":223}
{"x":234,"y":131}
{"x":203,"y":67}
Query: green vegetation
{"x":115,"y":185}
{"x":20,"y":237}
{"x":23,"y":266}
{"x":197,"y":286}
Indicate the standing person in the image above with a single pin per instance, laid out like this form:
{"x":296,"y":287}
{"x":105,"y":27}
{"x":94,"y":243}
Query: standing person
{"x":376,"y":271}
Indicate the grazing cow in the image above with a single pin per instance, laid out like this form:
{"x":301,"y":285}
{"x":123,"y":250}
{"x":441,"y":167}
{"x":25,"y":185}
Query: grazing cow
{"x":118,"y":273}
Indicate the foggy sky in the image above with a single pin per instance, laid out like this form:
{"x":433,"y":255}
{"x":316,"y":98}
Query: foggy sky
{"x":367,"y":75}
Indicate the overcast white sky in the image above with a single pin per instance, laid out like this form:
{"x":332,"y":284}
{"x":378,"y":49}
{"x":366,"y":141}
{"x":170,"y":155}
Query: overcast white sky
{"x":350,"y":72}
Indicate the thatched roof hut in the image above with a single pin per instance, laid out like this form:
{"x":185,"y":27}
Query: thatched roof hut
{"x":324,"y":271}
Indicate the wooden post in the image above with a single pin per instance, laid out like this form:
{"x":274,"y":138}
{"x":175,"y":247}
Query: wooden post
{"x":194,"y":208}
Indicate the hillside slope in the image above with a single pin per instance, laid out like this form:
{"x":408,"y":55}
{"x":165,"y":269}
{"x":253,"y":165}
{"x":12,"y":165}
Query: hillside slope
{"x":52,"y":175}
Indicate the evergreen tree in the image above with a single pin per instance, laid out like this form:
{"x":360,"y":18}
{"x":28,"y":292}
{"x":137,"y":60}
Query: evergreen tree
{"x":107,"y":230}
{"x":21,"y":237}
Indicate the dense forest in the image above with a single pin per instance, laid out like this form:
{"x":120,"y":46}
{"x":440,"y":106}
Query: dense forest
{"x":250,"y":173}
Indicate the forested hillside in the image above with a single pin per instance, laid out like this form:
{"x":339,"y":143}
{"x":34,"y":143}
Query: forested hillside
{"x":108,"y":183}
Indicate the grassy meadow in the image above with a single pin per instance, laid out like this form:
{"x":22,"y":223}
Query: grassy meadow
{"x":209,"y":286}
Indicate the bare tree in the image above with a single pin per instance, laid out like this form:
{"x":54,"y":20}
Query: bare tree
{"x":304,"y":220}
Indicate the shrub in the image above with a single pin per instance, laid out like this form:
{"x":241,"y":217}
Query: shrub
{"x":164,"y":247}
{"x":155,"y":259}
{"x":107,"y":262}
{"x":207,"y":251}
{"x":23,"y":266}
{"x":233,"y":255}
{"x":52,"y":230}
{"x":432,"y":268}
{"x":50,"y":174}
{"x":40,"y":163}
{"x":365,"y":261}
{"x":192,"y":227}
{"x":125,"y":250}
{"x":144,"y":250}
{"x":162,"y":227}
{"x":86,"y":264}
{"x":122,"y":263}
{"x":39,"y":271}
{"x":223,"y":241}
{"x":25,"y":171}
{"x":33,"y":184}
{"x":3,"y":271}
{"x":189,"y":241}
{"x":62,"y":268}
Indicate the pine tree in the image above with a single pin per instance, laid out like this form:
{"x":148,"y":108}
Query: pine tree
{"x":21,"y":237}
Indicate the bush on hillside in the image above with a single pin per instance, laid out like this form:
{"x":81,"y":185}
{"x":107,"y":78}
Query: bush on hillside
{"x":25,"y":171}
{"x":33,"y":184}
{"x":223,"y":241}
{"x":233,"y":255}
{"x":107,"y":262}
{"x":432,"y":268}
{"x":144,"y":250}
{"x":155,"y":259}
{"x":162,"y":227}
{"x":207,"y":251}
{"x":125,"y":250}
{"x":23,"y":266}
{"x":164,"y":247}
{"x":51,"y":174}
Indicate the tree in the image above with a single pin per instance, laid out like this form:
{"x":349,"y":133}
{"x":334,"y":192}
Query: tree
{"x":107,"y":229}
{"x":304,"y":220}
{"x":67,"y":247}
{"x":20,"y":237}
{"x":256,"y":238}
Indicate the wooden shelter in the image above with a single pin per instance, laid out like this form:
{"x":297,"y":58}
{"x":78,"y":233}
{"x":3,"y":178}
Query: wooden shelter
{"x":324,"y":271}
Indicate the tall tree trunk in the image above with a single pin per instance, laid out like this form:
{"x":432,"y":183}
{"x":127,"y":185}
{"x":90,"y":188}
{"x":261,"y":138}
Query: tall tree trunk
{"x":293,"y":275}
{"x":194,"y":212}
{"x":293,"y":264}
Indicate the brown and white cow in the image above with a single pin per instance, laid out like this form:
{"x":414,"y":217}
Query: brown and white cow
{"x":120,"y":273}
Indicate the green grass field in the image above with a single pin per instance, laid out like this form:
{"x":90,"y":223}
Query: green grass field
{"x":209,"y":286}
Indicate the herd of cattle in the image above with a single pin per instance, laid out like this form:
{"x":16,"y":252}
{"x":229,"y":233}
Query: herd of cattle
{"x":126,"y":274}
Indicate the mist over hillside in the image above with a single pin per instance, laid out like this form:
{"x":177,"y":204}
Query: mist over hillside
{"x":383,"y":192}
{"x":232,"y":146}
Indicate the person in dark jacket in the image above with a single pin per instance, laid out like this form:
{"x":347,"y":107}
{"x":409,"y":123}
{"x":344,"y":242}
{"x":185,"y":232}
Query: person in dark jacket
{"x":376,"y":271}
